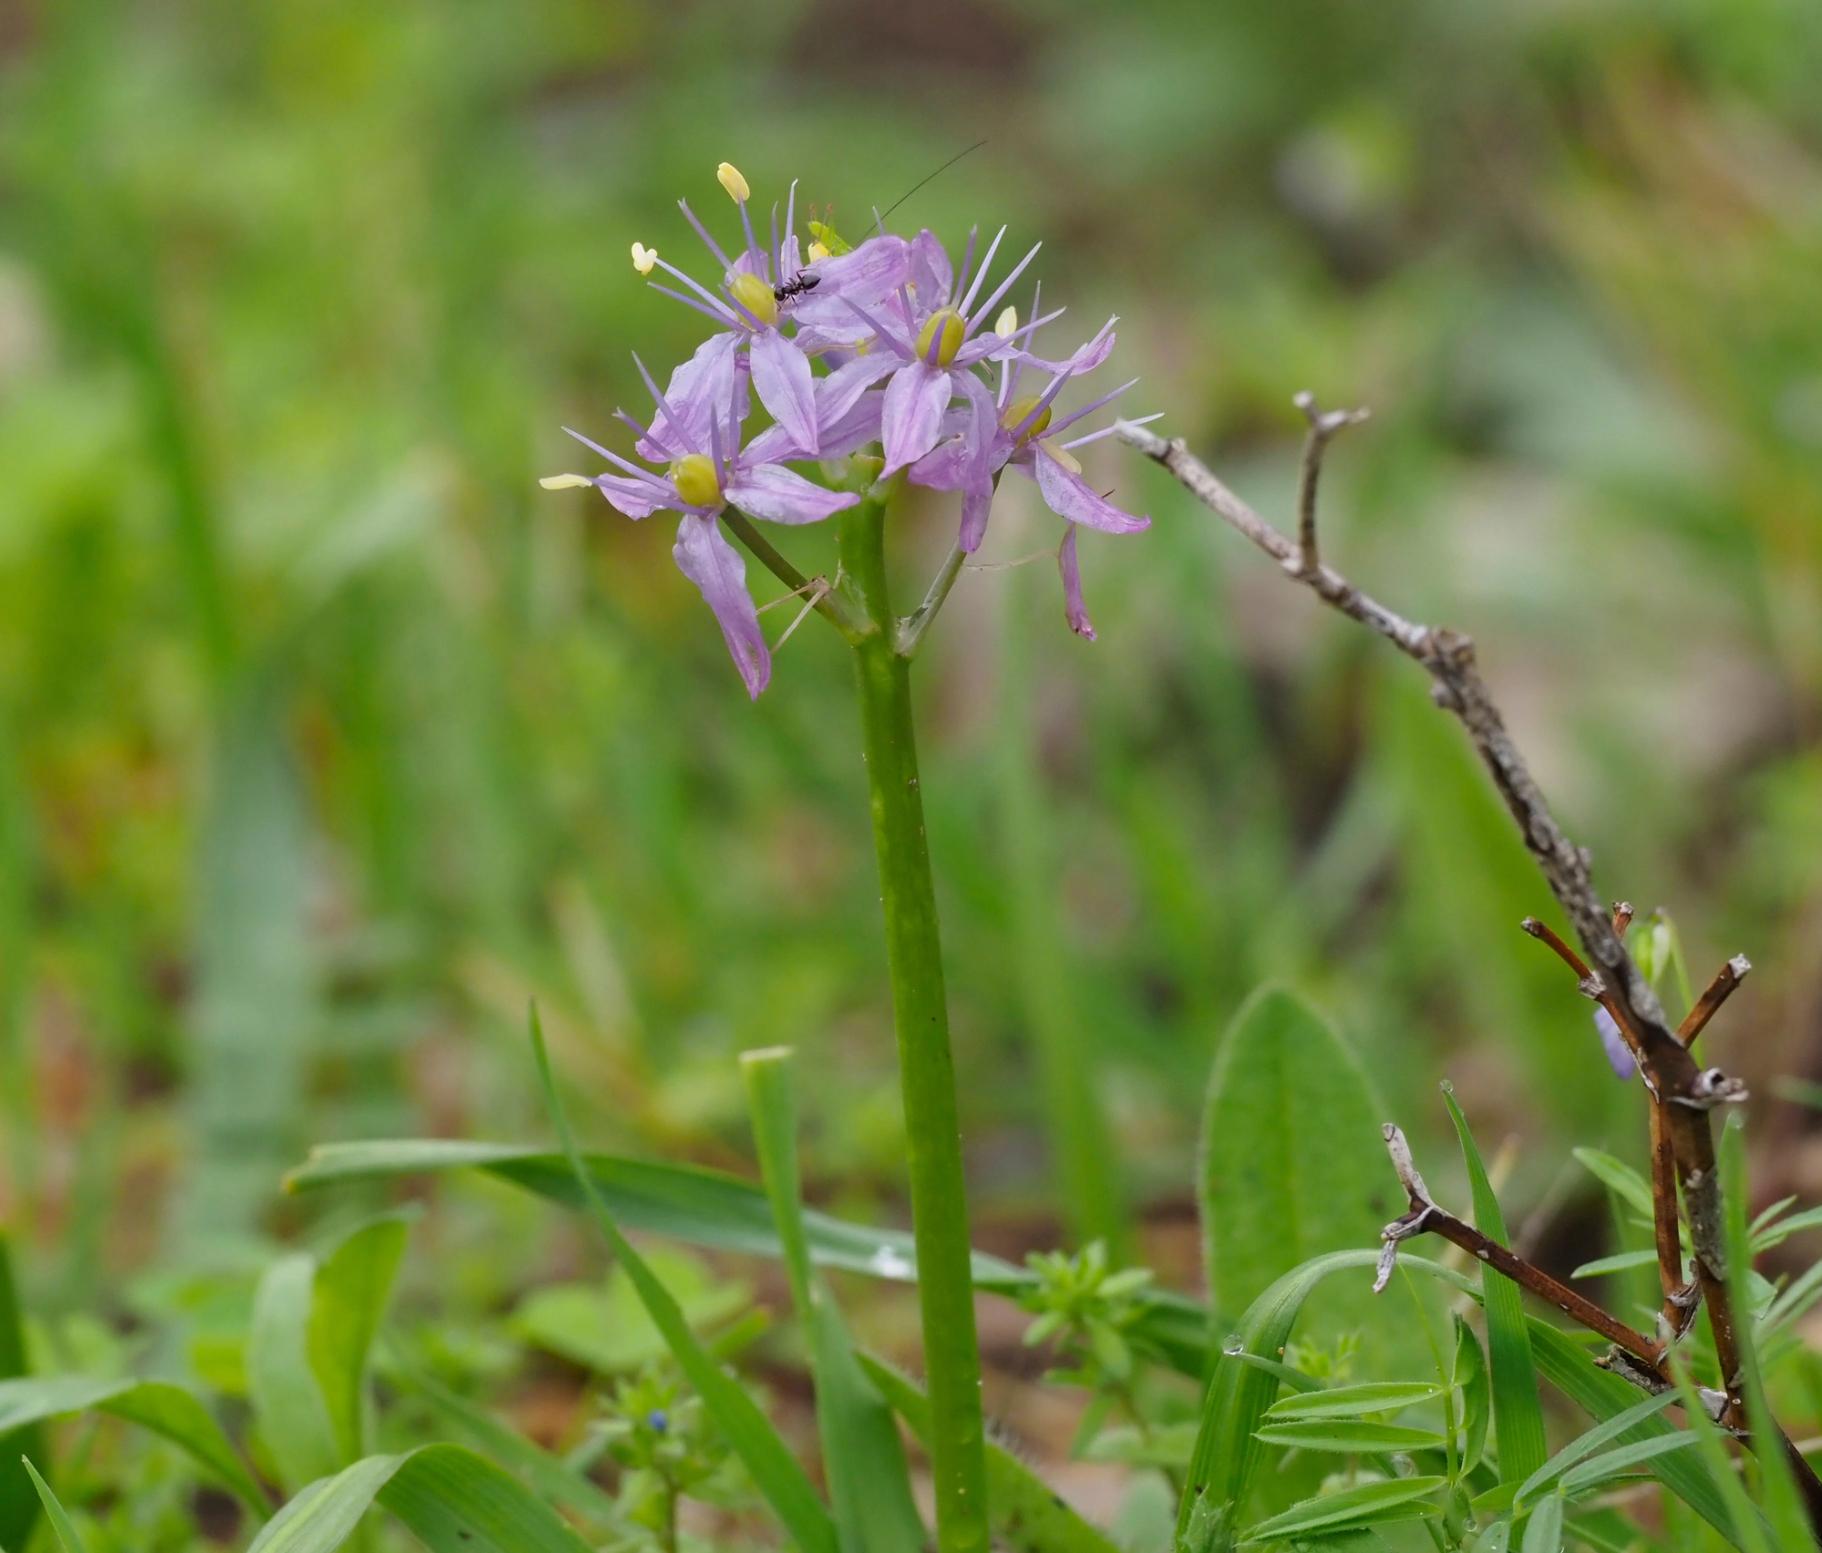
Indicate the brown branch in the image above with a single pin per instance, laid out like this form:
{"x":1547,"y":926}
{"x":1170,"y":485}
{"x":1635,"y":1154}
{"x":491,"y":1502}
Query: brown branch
{"x":1686,"y":1091}
{"x":1426,"y":1217}
{"x":1713,"y":996}
{"x":1622,"y":918}
{"x":1324,"y":424}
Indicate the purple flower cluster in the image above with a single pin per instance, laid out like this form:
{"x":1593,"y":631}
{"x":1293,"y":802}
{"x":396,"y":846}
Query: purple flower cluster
{"x":885,"y":344}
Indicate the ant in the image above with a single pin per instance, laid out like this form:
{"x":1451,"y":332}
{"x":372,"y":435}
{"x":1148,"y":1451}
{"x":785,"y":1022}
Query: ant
{"x":796,"y":286}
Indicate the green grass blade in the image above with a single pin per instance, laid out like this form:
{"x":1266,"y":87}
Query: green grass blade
{"x":1470,"y":1377}
{"x":1584,"y":1444}
{"x":53,"y":1510}
{"x":159,"y":1406}
{"x":774,"y":1470}
{"x":1366,"y":1504}
{"x":19,"y":1499}
{"x":1544,"y":1531}
{"x":450,"y":1499}
{"x":863,"y":1458}
{"x":1026,"y":1514}
{"x":1610,"y":1464}
{"x":1518,"y":1415}
{"x":288,"y":1402}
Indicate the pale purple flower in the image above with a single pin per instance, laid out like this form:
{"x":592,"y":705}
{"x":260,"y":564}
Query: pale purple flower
{"x":768,"y":286}
{"x":696,"y":431}
{"x":1619,"y":1054}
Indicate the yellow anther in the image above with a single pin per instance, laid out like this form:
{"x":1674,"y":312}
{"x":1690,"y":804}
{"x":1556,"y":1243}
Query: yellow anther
{"x":1016,"y":413}
{"x":1064,"y":457}
{"x":696,"y":480}
{"x":752,"y":293}
{"x":644,"y":258}
{"x":729,"y":176}
{"x":1007,"y":324}
{"x":565,"y":482}
{"x":818,"y":252}
{"x":943,"y":330}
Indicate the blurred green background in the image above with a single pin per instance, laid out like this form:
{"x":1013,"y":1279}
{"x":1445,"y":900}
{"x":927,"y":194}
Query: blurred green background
{"x":327,"y":738}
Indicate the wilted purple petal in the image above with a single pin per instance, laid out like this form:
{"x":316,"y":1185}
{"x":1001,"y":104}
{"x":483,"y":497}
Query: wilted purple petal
{"x":912,"y":417}
{"x":781,"y":378}
{"x":705,"y":557}
{"x":635,"y":498}
{"x":1619,"y":1054}
{"x":1068,"y":495}
{"x":1074,"y":610}
{"x":772,"y":492}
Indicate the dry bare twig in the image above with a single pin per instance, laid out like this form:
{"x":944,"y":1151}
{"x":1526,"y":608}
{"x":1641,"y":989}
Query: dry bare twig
{"x":1684,"y":1091}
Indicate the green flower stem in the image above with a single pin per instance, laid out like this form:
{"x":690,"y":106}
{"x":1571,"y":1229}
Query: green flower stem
{"x":926,"y":1069}
{"x":828,"y":602}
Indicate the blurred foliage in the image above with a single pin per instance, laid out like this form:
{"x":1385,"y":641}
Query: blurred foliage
{"x":326,"y":738}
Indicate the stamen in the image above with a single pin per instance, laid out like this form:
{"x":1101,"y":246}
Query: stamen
{"x":961,"y":278}
{"x":1089,"y":408}
{"x":790,"y":214}
{"x":728,"y":175}
{"x":565,"y":482}
{"x":693,"y":284}
{"x":722,"y":318}
{"x":901,"y":346}
{"x":616,"y":460}
{"x":1007,"y":324}
{"x":777,"y":256}
{"x":1003,"y":287}
{"x":663,"y":404}
{"x":703,"y":232}
{"x":644,"y":258}
{"x":986,"y":264}
{"x":1109,"y":430}
{"x":817,"y":252}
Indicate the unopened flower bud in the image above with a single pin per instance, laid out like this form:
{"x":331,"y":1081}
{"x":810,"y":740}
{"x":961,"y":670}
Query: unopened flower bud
{"x":696,"y":479}
{"x":729,"y":176}
{"x":941,"y":337}
{"x":752,"y":293}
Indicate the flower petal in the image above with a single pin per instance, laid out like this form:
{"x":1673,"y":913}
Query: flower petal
{"x":1074,"y":610}
{"x":781,"y":378}
{"x":932,"y":276}
{"x":912,"y":418}
{"x":1069,"y":496}
{"x":635,"y":498}
{"x":772,"y":492}
{"x":705,"y":557}
{"x":700,"y":390}
{"x":837,"y":393}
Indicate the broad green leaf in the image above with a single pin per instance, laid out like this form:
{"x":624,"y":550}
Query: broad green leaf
{"x":1495,"y":1539}
{"x":863,"y":1459}
{"x":450,"y":1499}
{"x":1518,"y":1416}
{"x":1356,"y":1435}
{"x":1609,"y":1464}
{"x":1026,"y":1514}
{"x":1470,"y":1376}
{"x":1364,"y":1505}
{"x":603,"y":1326}
{"x":1293,"y":1164}
{"x":156,"y":1405}
{"x":1583,"y":1445}
{"x":19,"y":1499}
{"x":1381,"y":1396}
{"x":54,"y":1511}
{"x":1544,"y":1531}
{"x":550,"y":1475}
{"x":288,"y":1402}
{"x":774,"y":1470}
{"x":352,"y":1287}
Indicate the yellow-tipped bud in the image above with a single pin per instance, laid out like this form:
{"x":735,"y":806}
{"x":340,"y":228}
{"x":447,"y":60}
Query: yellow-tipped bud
{"x":730,"y":179}
{"x":752,"y":293}
{"x":644,"y":258}
{"x":696,"y":480}
{"x":818,"y":252}
{"x":942,"y":330}
{"x":1007,"y":324}
{"x":565,"y":482}
{"x":1016,"y":413}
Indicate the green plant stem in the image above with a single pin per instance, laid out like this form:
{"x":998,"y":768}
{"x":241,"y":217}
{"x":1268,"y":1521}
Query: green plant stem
{"x":926,"y":1068}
